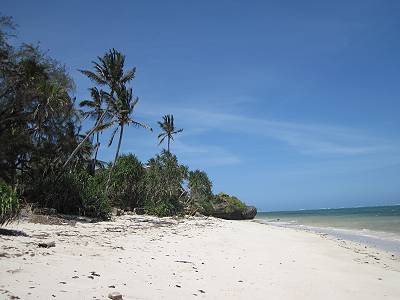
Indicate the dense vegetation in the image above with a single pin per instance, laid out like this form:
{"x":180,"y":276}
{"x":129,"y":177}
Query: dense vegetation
{"x":46,"y":159}
{"x":8,"y":203}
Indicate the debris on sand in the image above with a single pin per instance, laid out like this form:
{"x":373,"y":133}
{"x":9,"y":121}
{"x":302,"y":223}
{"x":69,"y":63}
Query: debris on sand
{"x":47,"y":244}
{"x":115,"y":296}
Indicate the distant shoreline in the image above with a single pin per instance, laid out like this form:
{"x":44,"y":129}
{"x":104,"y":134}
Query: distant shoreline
{"x":303,"y":210}
{"x":378,"y":240}
{"x":377,"y":226}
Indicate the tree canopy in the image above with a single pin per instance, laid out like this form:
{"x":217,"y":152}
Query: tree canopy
{"x":46,"y":159}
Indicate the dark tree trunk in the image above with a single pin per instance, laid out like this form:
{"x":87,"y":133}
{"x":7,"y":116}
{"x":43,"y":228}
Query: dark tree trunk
{"x":116,"y":155}
{"x":95,"y":154}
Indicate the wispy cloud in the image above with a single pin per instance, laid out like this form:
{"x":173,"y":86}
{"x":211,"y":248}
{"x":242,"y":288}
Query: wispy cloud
{"x":205,"y":155}
{"x":195,"y":153}
{"x":304,"y":138}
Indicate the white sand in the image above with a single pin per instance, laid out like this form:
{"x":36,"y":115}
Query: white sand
{"x":145,"y":258}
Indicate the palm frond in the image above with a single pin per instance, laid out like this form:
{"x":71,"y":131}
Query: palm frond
{"x":93,"y":76}
{"x":86,"y":114}
{"x":129,"y":75}
{"x":105,"y":126}
{"x":177,"y":131}
{"x":161,"y":134}
{"x":134,"y":103}
{"x":96,"y":95}
{"x":88,"y":103}
{"x":162,"y":140}
{"x":139,"y":124}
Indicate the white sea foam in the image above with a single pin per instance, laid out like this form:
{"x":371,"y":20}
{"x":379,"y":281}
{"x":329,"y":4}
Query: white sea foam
{"x":382,"y":240}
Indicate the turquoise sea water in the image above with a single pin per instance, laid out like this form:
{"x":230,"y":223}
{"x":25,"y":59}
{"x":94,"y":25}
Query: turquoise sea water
{"x":379,"y":225}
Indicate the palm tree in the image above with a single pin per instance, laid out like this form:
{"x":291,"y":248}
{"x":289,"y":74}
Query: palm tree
{"x":108,"y":71}
{"x":96,"y":110}
{"x":169,"y":130}
{"x":122,"y":107}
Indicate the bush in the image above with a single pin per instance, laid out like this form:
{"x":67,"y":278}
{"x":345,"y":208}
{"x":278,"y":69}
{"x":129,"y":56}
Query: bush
{"x":126,"y":185}
{"x":94,"y":199}
{"x":167,"y":207}
{"x":75,"y":193}
{"x":9,"y":204}
{"x":200,"y":194}
{"x":63,"y":194}
{"x":233,"y":202}
{"x":164,"y":177}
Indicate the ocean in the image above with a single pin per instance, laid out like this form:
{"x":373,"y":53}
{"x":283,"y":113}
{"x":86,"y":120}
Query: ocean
{"x":377,"y":226}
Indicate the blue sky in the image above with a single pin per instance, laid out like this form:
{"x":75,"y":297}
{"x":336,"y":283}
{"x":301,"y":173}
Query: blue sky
{"x":286,"y":104}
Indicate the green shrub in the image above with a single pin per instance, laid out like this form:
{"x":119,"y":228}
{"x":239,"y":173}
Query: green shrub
{"x":64,"y":194}
{"x":163,"y":181}
{"x":232,"y":201}
{"x":126,"y":185}
{"x":165,"y":207}
{"x":75,"y":193}
{"x":200,"y":194}
{"x":9,"y":204}
{"x":94,"y":199}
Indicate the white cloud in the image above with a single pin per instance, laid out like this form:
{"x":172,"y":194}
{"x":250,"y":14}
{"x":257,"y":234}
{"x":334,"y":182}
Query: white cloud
{"x":197,"y":148}
{"x":204,"y":155}
{"x":305,"y":138}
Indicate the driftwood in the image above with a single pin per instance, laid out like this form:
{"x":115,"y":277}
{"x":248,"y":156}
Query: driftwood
{"x":47,"y":244}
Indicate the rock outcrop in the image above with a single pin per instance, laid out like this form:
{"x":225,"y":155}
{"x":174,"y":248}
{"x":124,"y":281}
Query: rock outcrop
{"x":249,"y":212}
{"x":231,"y":208}
{"x":226,"y":211}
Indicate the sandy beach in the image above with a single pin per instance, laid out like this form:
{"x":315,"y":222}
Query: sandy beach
{"x":143,"y":257}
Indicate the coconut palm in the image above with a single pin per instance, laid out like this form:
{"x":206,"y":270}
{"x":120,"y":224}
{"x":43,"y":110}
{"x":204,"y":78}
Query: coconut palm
{"x":122,"y":106}
{"x":169,"y":130}
{"x":108,"y":71}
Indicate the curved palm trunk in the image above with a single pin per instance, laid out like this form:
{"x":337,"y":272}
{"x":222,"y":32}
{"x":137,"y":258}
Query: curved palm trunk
{"x":169,"y":139}
{"x":86,"y":137}
{"x":116,"y":155}
{"x":97,"y":147}
{"x":95,"y":154}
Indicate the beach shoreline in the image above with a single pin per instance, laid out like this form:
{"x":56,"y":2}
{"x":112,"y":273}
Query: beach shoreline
{"x":144,"y":257}
{"x":382,"y":241}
